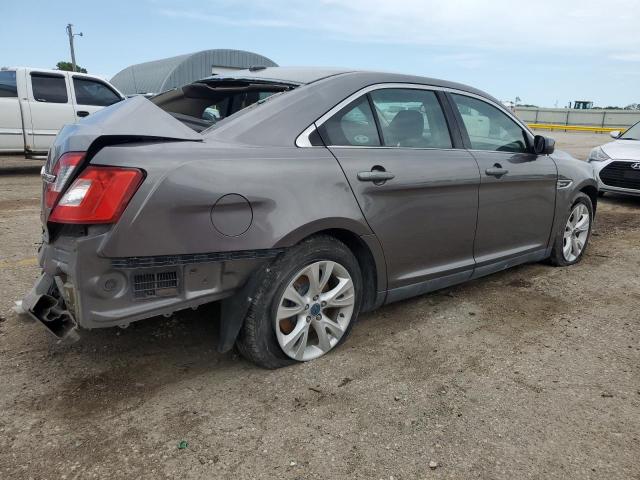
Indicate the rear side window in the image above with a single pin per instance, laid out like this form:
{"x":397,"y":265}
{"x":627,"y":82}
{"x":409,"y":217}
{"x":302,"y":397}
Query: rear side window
{"x":411,"y":118}
{"x":489,"y":128}
{"x":90,"y":92}
{"x":8,"y":87}
{"x":49,"y":88}
{"x":354,"y":125}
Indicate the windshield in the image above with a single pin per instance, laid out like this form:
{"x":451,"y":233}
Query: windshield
{"x":632,"y":134}
{"x":202,"y":104}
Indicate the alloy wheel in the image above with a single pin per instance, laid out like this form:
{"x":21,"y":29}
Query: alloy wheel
{"x":315,"y":310}
{"x":576,"y":232}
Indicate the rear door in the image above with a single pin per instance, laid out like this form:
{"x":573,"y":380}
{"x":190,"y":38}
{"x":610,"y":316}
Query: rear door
{"x":11,"y":132}
{"x":91,"y":95}
{"x":418,"y":193}
{"x":50,"y":107}
{"x":517,"y":189}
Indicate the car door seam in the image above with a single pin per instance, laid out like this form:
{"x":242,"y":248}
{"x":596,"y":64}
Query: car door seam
{"x":555,"y":206}
{"x":355,"y":198}
{"x":475,"y":232}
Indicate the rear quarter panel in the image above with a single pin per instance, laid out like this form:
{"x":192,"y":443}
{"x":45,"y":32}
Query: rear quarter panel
{"x":293,"y":193}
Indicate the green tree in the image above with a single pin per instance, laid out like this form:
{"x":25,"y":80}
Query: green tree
{"x":66,"y":66}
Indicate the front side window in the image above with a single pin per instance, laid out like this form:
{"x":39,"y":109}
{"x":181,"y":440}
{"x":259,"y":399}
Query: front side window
{"x":90,"y":92}
{"x":49,"y":88}
{"x":489,"y":128}
{"x":8,"y":87}
{"x":411,"y":118}
{"x":354,"y":125}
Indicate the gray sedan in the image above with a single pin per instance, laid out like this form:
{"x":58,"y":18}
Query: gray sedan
{"x":297,"y":198}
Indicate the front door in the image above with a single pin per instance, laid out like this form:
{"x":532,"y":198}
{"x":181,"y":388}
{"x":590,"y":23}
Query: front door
{"x":517,"y":188}
{"x":418,"y":194}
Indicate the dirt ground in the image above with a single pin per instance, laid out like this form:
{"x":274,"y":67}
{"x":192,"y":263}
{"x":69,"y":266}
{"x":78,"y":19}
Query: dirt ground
{"x":530,"y":373}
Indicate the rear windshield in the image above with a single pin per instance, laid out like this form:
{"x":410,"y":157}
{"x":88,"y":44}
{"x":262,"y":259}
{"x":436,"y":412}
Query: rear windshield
{"x":201,"y":105}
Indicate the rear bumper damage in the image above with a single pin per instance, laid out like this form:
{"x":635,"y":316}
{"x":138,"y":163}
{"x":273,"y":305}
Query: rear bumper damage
{"x":46,"y":304}
{"x":79,"y":289}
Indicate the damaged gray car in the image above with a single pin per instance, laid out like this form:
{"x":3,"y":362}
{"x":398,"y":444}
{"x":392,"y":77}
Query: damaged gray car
{"x":298,"y":198}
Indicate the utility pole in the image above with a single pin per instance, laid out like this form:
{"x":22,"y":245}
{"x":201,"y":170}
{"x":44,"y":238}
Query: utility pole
{"x":73,"y":53}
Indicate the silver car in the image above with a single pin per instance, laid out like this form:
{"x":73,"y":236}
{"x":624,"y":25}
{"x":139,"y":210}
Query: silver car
{"x":617,"y":163}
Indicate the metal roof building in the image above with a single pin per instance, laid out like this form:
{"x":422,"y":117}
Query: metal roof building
{"x":160,"y":75}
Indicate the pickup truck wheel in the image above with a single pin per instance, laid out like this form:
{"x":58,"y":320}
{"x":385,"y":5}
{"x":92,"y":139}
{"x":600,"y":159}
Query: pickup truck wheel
{"x":305,"y":304}
{"x":571,"y":242}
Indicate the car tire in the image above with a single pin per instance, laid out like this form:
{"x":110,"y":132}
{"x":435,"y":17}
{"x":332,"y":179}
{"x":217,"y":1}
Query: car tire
{"x":559,"y":257}
{"x":261,"y":337}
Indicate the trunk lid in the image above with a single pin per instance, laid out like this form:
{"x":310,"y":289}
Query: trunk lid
{"x":133,"y":120}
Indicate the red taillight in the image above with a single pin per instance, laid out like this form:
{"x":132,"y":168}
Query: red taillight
{"x":62,"y":171}
{"x":98,"y":195}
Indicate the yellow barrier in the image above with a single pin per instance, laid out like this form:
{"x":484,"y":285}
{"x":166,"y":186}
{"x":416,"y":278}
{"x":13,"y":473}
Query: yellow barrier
{"x":575,"y":128}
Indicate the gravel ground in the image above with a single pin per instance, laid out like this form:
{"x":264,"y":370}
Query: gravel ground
{"x":530,"y":373}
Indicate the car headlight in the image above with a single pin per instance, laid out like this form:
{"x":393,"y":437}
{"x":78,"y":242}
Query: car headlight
{"x":598,"y":155}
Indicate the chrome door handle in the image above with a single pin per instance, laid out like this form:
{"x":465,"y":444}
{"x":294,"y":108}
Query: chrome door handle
{"x":375,"y":176}
{"x":496,"y":171}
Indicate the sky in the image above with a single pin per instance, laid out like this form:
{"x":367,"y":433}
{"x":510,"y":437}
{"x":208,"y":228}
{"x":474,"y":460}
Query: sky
{"x":547,"y":52}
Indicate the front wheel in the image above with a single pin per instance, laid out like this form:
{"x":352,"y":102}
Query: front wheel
{"x":305,"y":305}
{"x":571,"y":243}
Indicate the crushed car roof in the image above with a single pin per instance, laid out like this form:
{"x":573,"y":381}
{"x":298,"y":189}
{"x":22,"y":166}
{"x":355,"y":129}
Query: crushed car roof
{"x":297,"y":75}
{"x":307,"y":75}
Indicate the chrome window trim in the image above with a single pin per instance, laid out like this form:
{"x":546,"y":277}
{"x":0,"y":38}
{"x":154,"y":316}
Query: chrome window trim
{"x":303,"y":141}
{"x":503,"y":152}
{"x":387,"y":147}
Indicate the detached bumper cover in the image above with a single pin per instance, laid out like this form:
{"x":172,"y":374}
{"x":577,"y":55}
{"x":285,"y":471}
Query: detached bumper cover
{"x":46,"y":304}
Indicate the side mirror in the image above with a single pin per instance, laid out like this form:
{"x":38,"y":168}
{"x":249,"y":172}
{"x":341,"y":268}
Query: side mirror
{"x":543,"y":145}
{"x":615,"y":134}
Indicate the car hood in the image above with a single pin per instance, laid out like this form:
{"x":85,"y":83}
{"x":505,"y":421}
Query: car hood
{"x":572,"y":168}
{"x":561,"y":155}
{"x":623,"y":149}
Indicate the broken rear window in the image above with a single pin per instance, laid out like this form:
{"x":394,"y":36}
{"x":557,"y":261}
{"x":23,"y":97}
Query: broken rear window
{"x":202,"y":104}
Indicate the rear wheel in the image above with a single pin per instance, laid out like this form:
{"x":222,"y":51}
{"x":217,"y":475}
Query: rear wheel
{"x":305,"y":305}
{"x":571,"y":242}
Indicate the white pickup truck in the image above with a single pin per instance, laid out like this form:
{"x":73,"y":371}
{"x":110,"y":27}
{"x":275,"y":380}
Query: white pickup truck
{"x":36,"y":103}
